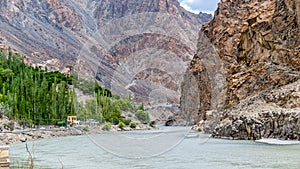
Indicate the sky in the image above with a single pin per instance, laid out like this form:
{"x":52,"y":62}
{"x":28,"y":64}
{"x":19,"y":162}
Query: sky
{"x":195,"y":6}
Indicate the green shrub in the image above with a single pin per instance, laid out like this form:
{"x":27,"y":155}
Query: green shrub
{"x":115,"y":120}
{"x":113,"y":117}
{"x":107,"y":126}
{"x":121,"y":125}
{"x":124,"y":104}
{"x":86,"y":128}
{"x":142,"y":116}
{"x":141,"y":107}
{"x":133,"y":125}
{"x":127,"y":121}
{"x":61,"y":123}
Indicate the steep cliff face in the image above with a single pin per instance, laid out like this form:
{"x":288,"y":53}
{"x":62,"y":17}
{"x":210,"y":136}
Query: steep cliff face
{"x":259,"y":48}
{"x":140,"y":47}
{"x":258,"y":42}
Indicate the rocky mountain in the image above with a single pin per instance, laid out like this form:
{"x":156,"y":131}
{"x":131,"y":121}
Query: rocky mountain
{"x":254,"y":49}
{"x":137,"y":47}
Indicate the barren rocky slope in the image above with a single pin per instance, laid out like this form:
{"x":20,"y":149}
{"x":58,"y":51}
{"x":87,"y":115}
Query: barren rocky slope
{"x":255,"y":49}
{"x":139,"y":47}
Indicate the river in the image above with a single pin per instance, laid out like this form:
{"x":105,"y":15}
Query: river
{"x":155,"y":149}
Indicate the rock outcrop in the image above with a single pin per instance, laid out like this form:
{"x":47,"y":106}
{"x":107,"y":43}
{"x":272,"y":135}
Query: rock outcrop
{"x":258,"y":45}
{"x":138,"y":47}
{"x":274,"y":113}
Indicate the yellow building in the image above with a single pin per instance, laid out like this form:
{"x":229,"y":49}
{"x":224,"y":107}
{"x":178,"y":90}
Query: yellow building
{"x":71,"y":119}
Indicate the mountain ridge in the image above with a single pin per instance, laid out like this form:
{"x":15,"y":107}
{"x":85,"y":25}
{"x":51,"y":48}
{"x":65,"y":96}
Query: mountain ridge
{"x":111,"y":41}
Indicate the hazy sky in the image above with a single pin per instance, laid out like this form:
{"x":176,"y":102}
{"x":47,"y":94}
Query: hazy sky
{"x":208,"y":6}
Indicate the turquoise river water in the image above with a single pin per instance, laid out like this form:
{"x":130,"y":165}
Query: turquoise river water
{"x":153,"y":149}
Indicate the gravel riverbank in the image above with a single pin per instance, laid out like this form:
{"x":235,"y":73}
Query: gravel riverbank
{"x":11,"y":132}
{"x":18,"y":136}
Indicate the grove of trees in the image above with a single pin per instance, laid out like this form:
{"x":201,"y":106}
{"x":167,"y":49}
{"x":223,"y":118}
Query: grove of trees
{"x":33,"y":96}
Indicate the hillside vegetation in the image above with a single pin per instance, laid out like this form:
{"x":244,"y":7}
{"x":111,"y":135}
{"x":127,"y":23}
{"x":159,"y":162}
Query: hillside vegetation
{"x":33,"y":96}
